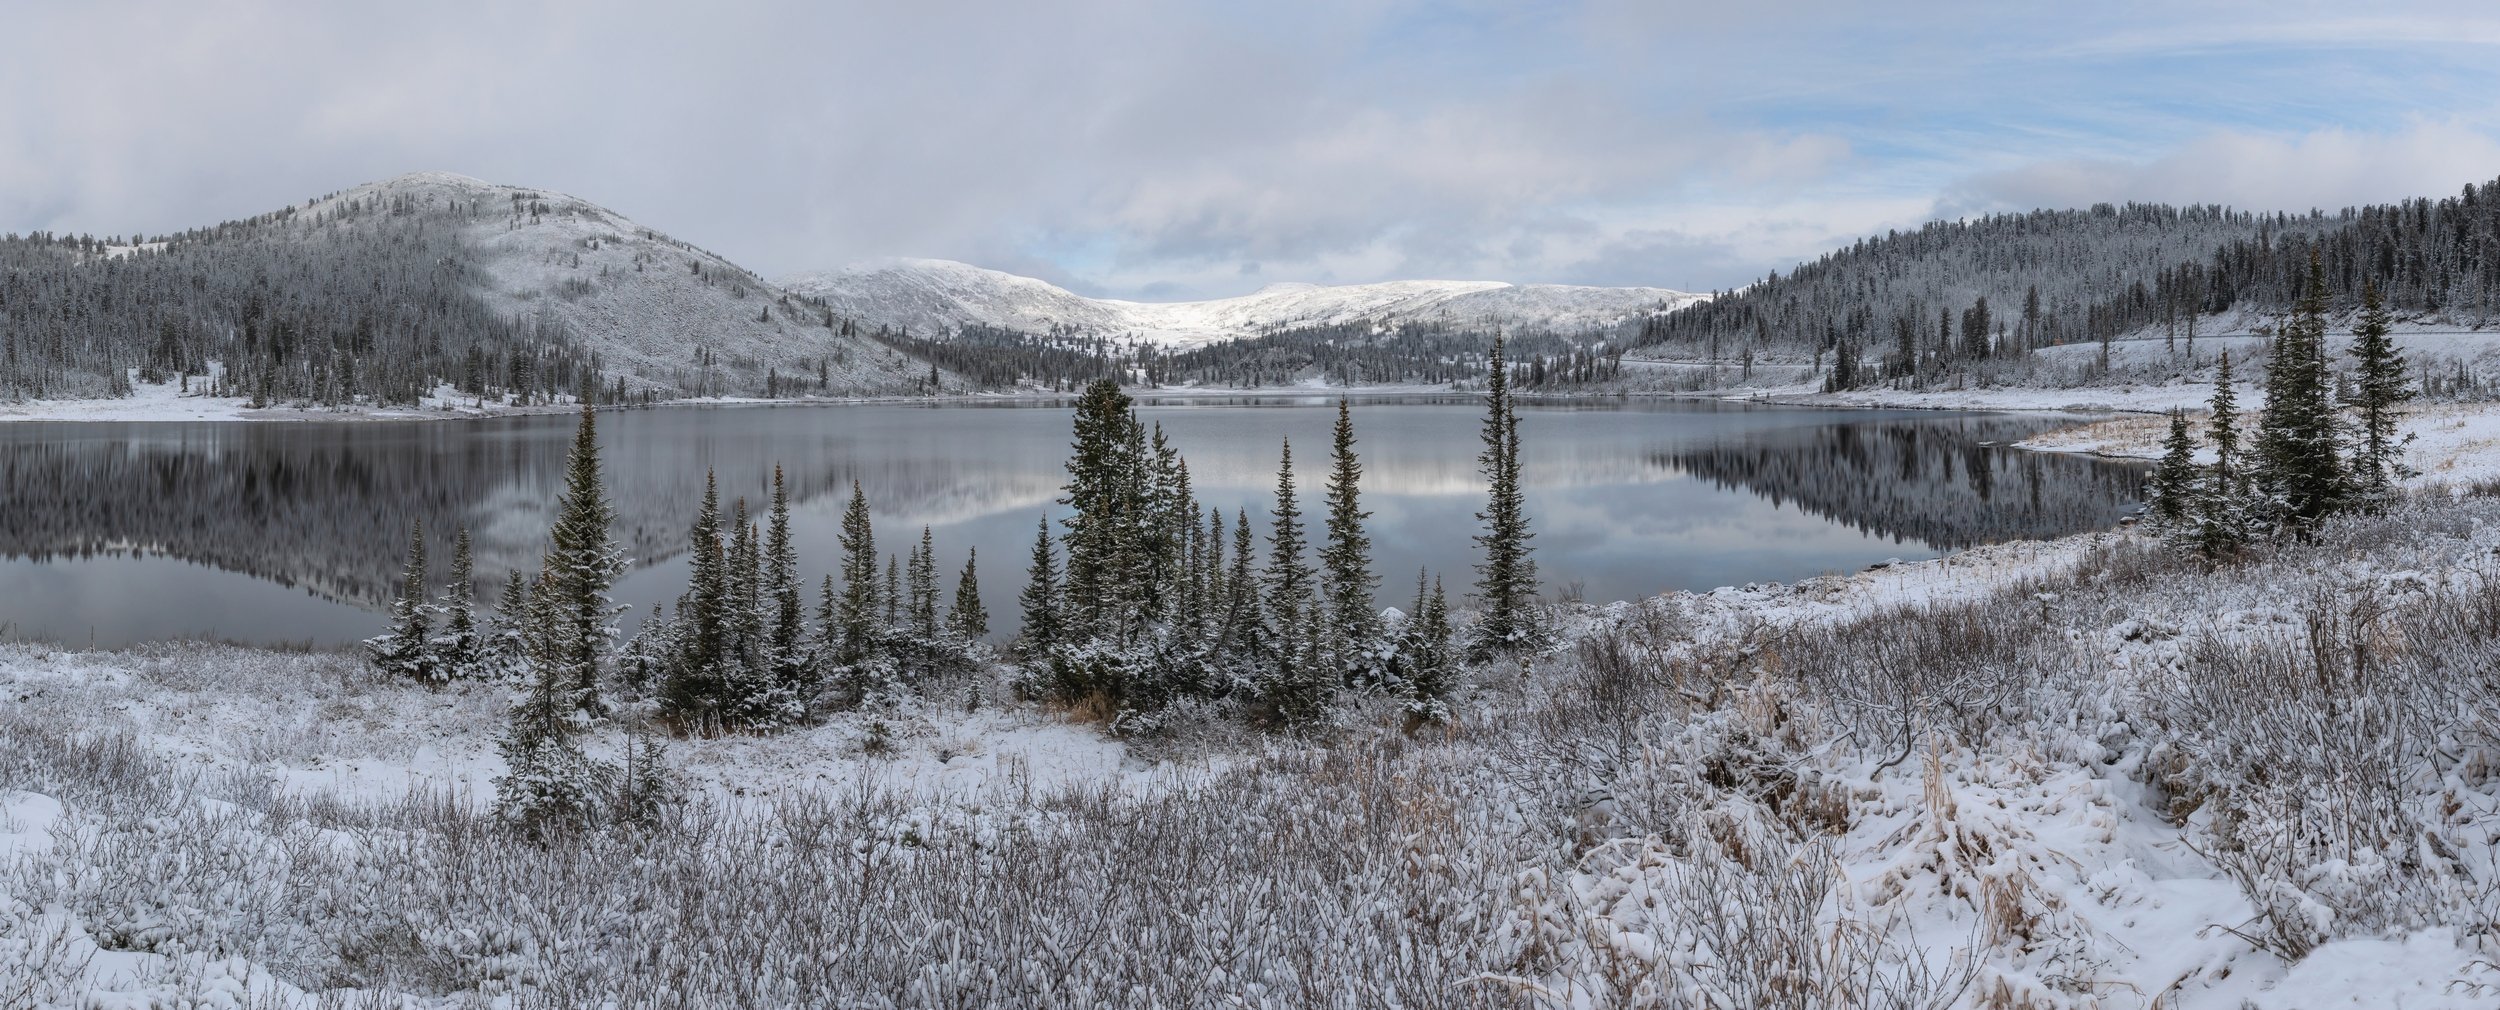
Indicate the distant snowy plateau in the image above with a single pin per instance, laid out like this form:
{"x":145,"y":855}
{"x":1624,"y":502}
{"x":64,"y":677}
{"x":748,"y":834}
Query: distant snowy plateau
{"x":933,"y":297}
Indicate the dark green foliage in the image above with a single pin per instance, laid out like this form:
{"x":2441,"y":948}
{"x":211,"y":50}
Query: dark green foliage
{"x":1506,"y":578}
{"x":968,"y":621}
{"x":858,"y":610}
{"x":585,"y":564}
{"x":460,"y":650}
{"x":2170,"y":498}
{"x":1346,"y":559}
{"x":407,"y":651}
{"x":1040,"y":598}
{"x":2378,"y":389}
{"x":2299,"y":435}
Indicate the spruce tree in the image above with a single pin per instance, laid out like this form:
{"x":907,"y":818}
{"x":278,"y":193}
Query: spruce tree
{"x":859,"y":578}
{"x":2380,"y":386}
{"x":746,"y":610}
{"x":1102,"y":493}
{"x":2222,"y":426}
{"x":1506,"y":579}
{"x":1288,"y":578}
{"x":1297,"y":685}
{"x":697,"y":679}
{"x":924,"y":593}
{"x":406,"y":651}
{"x":1245,"y":637}
{"x":1040,"y":598}
{"x":2170,"y":497}
{"x":1346,"y":560}
{"x":781,"y":581}
{"x":2299,"y":461}
{"x":1425,"y":649}
{"x":460,"y":651}
{"x":969,"y":622}
{"x":586,"y":563}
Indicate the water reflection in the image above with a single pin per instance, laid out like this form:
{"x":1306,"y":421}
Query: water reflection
{"x":287,"y":532}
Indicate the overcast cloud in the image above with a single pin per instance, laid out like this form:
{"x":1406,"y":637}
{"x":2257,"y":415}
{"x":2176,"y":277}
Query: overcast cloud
{"x":1170,"y":150}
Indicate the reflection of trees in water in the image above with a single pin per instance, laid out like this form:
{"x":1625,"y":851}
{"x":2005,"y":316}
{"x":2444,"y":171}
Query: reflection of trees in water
{"x":327,"y":507}
{"x":1929,"y":481}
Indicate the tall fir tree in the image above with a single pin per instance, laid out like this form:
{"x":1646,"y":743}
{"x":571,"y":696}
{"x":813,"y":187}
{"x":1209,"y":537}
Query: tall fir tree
{"x":1102,"y":493}
{"x":2300,"y":464}
{"x":460,"y":651}
{"x":1297,"y":684}
{"x":858,"y":612}
{"x":1346,"y":562}
{"x":1040,"y":598}
{"x":2378,"y":389}
{"x":1506,"y":578}
{"x":697,"y":679}
{"x":781,"y":581}
{"x":406,"y":651}
{"x":968,"y":620}
{"x":586,"y":563}
{"x":924,"y":592}
{"x":2170,"y":497}
{"x":1288,"y":580}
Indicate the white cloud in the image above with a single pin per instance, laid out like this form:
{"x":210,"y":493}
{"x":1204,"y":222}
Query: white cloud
{"x":2326,"y":169}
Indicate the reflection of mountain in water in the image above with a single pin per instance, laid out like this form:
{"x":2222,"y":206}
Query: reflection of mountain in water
{"x":327,"y":507}
{"x":1929,"y":481}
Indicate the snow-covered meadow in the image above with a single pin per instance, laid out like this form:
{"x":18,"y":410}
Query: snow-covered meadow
{"x":2075,"y":773}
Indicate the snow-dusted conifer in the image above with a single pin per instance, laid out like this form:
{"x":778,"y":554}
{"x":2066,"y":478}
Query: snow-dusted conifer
{"x":406,"y":650}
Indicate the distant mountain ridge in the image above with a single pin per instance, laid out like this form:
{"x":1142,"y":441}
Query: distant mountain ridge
{"x":930,"y":297}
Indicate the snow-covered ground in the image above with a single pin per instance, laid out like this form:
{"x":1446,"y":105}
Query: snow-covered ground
{"x":2071,"y":773}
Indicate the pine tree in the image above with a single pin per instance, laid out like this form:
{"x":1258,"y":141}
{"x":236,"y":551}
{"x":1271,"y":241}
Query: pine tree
{"x":460,"y":651}
{"x":924,"y":593}
{"x":1104,"y":473}
{"x":508,"y":650}
{"x":1245,"y":637}
{"x":406,"y":651}
{"x":781,"y":581}
{"x":1346,"y":560}
{"x":1040,"y":598}
{"x":746,"y":610}
{"x":2225,"y":513}
{"x":1298,"y":686}
{"x":586,"y":563}
{"x":697,"y":679}
{"x":2171,"y":495}
{"x":1288,"y":578}
{"x":2378,"y":458}
{"x":1506,"y":579}
{"x":1424,"y":648}
{"x":859,"y":579}
{"x":2299,"y":462}
{"x":969,"y":621}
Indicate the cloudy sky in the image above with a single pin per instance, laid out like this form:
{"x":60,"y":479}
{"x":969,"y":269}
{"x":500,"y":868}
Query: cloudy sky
{"x":1165,"y":150}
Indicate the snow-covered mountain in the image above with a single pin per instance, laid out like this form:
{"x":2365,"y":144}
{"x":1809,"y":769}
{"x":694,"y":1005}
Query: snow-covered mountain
{"x":933,"y":296}
{"x":646,"y":302}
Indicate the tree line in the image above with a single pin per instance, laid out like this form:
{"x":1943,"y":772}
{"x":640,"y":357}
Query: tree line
{"x":1951,"y":297}
{"x":1139,"y":600}
{"x":2323,"y":444}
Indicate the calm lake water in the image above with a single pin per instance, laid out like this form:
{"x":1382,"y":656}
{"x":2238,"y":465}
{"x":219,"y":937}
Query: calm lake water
{"x":280,"y":532}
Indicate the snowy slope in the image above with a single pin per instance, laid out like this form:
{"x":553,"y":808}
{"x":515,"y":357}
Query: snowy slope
{"x":646,"y":302}
{"x":933,"y":296}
